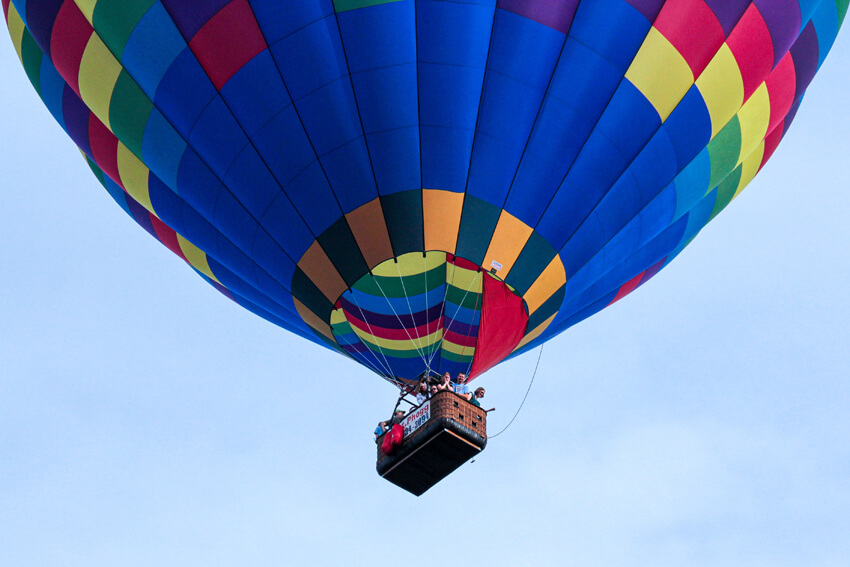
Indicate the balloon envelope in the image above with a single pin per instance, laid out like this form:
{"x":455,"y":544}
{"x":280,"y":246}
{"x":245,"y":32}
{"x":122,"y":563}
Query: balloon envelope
{"x":429,"y":184}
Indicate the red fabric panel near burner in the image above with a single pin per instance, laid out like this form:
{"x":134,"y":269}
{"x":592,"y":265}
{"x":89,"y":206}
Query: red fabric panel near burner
{"x":503,"y":323}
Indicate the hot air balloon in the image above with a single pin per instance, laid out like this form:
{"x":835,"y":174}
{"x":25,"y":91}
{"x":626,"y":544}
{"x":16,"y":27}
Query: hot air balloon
{"x":424,"y":186}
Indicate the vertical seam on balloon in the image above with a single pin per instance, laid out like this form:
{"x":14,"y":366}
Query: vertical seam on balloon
{"x":362,"y":128}
{"x":477,"y":119}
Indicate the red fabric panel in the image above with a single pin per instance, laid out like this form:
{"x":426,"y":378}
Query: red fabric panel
{"x":502,"y":326}
{"x":781,"y":87}
{"x":752,"y":47}
{"x":693,"y":29}
{"x":228,"y":41}
{"x":68,"y":41}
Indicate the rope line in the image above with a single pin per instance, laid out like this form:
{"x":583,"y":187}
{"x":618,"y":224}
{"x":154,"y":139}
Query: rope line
{"x":523,"y":399}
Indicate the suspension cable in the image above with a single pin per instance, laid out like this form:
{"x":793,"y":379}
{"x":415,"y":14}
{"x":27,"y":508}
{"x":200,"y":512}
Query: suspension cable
{"x":523,"y":399}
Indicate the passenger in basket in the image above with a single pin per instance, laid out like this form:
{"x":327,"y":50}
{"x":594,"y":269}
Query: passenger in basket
{"x":397,"y":418}
{"x":479,"y":393}
{"x":380,"y":430}
{"x":423,"y":394}
{"x":445,"y":383}
{"x":461,"y":388}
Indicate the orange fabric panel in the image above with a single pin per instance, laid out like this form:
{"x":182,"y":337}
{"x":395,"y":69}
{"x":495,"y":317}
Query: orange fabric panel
{"x":441,"y":211}
{"x":370,"y":231}
{"x":507,"y":242}
{"x":321,"y":271}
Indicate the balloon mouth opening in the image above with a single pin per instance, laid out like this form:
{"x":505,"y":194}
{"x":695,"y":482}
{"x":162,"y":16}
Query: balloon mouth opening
{"x":426,"y":313}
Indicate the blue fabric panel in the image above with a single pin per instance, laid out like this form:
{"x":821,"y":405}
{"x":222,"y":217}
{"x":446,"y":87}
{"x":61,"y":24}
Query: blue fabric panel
{"x":622,"y":247}
{"x":330,"y":116}
{"x":283,"y":224}
{"x":397,"y":305}
{"x":52,"y":88}
{"x":523,"y":56}
{"x":699,"y":215}
{"x":255,"y":94}
{"x":152,"y":47}
{"x":217,"y":137}
{"x":655,"y":167}
{"x":279,"y":294}
{"x":582,"y":247}
{"x":379,"y":36}
{"x":453,"y":33}
{"x":449,"y":99}
{"x":395,"y":158}
{"x":117,"y":194}
{"x":200,"y":232}
{"x":162,"y":148}
{"x":233,"y":221}
{"x":349,"y":172}
{"x":387,"y":97}
{"x":313,"y":198}
{"x":251,"y":182}
{"x":692,"y":183}
{"x":445,"y":157}
{"x":825,"y":20}
{"x":689,"y":127}
{"x":594,"y":172}
{"x":612,"y":28}
{"x":618,"y":207}
{"x":629,"y":121}
{"x":280,"y":18}
{"x":21,"y":7}
{"x":197,"y":185}
{"x":581,"y":87}
{"x":310,"y":58}
{"x":808,"y":8}
{"x":142,"y":217}
{"x":268,"y":253}
{"x":167,"y":204}
{"x":190,"y":15}
{"x":184,"y":92}
{"x":284,"y":146}
{"x":658,"y":214}
{"x":461,"y":315}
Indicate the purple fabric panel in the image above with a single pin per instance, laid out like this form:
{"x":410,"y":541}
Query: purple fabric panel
{"x":792,"y":113}
{"x":784,"y":22}
{"x":557,"y":14}
{"x":391,"y":321}
{"x":728,"y":12}
{"x":76,"y":115}
{"x":805,"y":55}
{"x":190,"y":15}
{"x":460,"y":328}
{"x":40,"y":18}
{"x":651,"y":271}
{"x":141,"y":216}
{"x":649,"y":8}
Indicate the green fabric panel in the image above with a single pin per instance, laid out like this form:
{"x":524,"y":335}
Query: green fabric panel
{"x":129,"y":110}
{"x":723,"y":151}
{"x":96,"y":170}
{"x":455,"y":296}
{"x":345,"y":5}
{"x":31,"y":54}
{"x":549,"y":308}
{"x":115,"y":20}
{"x":343,"y":328}
{"x":535,"y":256}
{"x":339,"y":244}
{"x":393,"y":287}
{"x":726,"y":191}
{"x":477,"y":224}
{"x":403,"y":214}
{"x":307,"y":293}
{"x":463,"y":359}
{"x":842,"y":10}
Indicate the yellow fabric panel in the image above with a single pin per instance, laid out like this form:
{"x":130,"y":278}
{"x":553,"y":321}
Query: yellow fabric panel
{"x":313,"y":320}
{"x":535,"y":333}
{"x":399,"y":344}
{"x":99,"y":72}
{"x":754,"y":117}
{"x":338,"y":316}
{"x":370,"y":231}
{"x":507,"y":242}
{"x":458,"y":349}
{"x":16,"y":29}
{"x":196,"y":258}
{"x":87,"y":8}
{"x":661,"y":73}
{"x":410,"y":264}
{"x":552,"y":278}
{"x":134,"y":177}
{"x":464,"y":279}
{"x":722,"y":88}
{"x":441,"y":212}
{"x":750,"y":167}
{"x":321,"y":271}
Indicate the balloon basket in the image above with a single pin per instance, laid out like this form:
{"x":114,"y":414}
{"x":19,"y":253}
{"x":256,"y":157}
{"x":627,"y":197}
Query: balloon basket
{"x":439,"y":436}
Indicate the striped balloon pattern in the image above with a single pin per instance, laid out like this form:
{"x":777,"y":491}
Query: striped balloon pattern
{"x":424,"y":185}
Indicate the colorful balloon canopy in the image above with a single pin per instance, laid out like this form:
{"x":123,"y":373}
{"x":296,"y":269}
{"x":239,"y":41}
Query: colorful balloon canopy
{"x":428,"y":184}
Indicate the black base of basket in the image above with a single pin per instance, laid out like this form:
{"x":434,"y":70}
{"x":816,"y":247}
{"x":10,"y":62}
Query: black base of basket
{"x":432,"y":456}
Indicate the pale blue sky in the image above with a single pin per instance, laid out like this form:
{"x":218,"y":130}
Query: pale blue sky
{"x":146,"y":420}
